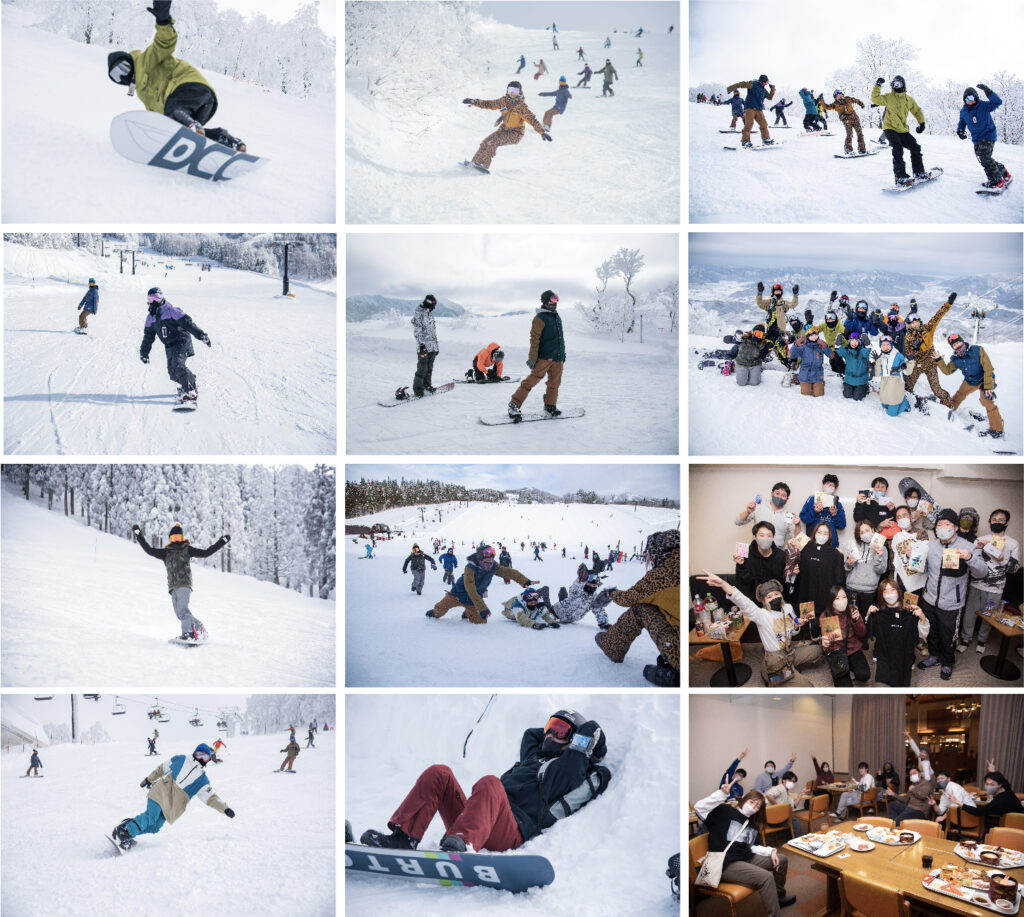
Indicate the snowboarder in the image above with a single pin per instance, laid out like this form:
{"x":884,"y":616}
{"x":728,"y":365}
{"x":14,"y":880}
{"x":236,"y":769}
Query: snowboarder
{"x":608,"y":75}
{"x":638,"y":32}
{"x":859,"y":322}
{"x":639,"y":58}
{"x":152,"y":745}
{"x":34,"y":763}
{"x":172,"y":786}
{"x":586,"y":73}
{"x":176,"y":330}
{"x":522,"y":64}
{"x":856,"y":368}
{"x":976,"y":116}
{"x":487,"y":364}
{"x":177,"y":557}
{"x":584,"y":595}
{"x":217,"y":746}
{"x":889,"y":365}
{"x":513,"y":120}
{"x":425,"y":332}
{"x":736,"y":103}
{"x":309,"y":737}
{"x":580,"y":54}
{"x":89,"y":305}
{"x":919,"y":349}
{"x":418,"y":561}
{"x":168,"y":85}
{"x":819,"y":103}
{"x":811,"y":120}
{"x":748,"y":356}
{"x":559,"y":762}
{"x":470,"y":588}
{"x":897,"y":106}
{"x":780,"y":111}
{"x":843,"y":105}
{"x":562,"y":96}
{"x":652,"y":604}
{"x":607,"y":41}
{"x":369,"y":551}
{"x":542,"y":68}
{"x":776,"y":307}
{"x":554,"y":42}
{"x":530,"y":609}
{"x":291,"y":733}
{"x":810,"y":350}
{"x":547,"y":357}
{"x":753,"y":107}
{"x":504,"y":558}
{"x":896,"y":328}
{"x":290,"y":752}
{"x":449,"y":561}
{"x":976,"y":366}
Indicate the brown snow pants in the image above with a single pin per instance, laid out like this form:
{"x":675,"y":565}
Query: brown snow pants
{"x":616,"y":641}
{"x":815,"y":389}
{"x":503,"y":136}
{"x":553,"y":370}
{"x":852,"y":123}
{"x":749,"y":117}
{"x":931,"y":374}
{"x":449,"y":601}
{"x":83,"y":319}
{"x":549,"y":116}
{"x":995,"y":419}
{"x":287,"y":763}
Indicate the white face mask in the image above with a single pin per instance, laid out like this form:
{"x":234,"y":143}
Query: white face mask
{"x":990,"y":789}
{"x":822,"y":537}
{"x":769,"y":770}
{"x":903,"y":522}
{"x":866,"y":537}
{"x":764,"y":543}
{"x":912,"y":502}
{"x":839,"y":604}
{"x":748,"y":809}
{"x":880,"y":496}
{"x":945,"y":534}
{"x":790,"y":784}
{"x":890,"y":597}
{"x":914,"y":778}
{"x":829,"y":488}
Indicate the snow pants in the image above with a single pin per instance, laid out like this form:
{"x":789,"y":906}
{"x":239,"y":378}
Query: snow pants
{"x":33,"y":770}
{"x":177,"y":370}
{"x":810,"y":122}
{"x":484,"y":820}
{"x":748,"y":375}
{"x":616,"y":641}
{"x":549,"y":116}
{"x":286,"y":765}
{"x":195,"y":102}
{"x":993,"y":170}
{"x":930,"y":371}
{"x":449,"y":601}
{"x":149,"y":822}
{"x":780,"y":116}
{"x":550,"y":368}
{"x":503,"y":136}
{"x":735,"y":118}
{"x":814,"y":389}
{"x":417,"y":580}
{"x":942,"y":637}
{"x":448,"y":577}
{"x":995,"y":419}
{"x":894,"y":410}
{"x":761,"y":875}
{"x":852,"y":124}
{"x":606,"y":90}
{"x":179,"y":599}
{"x":583,"y":82}
{"x":856,"y":392}
{"x":83,"y":319}
{"x":424,"y":372}
{"x":897,"y":143}
{"x":977,"y":599}
{"x":750,"y":116}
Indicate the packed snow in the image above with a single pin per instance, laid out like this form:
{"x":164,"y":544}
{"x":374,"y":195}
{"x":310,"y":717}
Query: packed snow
{"x":280,"y":846}
{"x":268,"y":384}
{"x":83,"y":607}
{"x":612,"y":159}
{"x":613,"y":851}
{"x":390,"y":641}
{"x":630,"y":391}
{"x":802,"y":182}
{"x":60,"y":167}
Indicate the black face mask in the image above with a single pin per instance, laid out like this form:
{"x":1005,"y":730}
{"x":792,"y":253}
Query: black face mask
{"x":997,"y":527}
{"x":775,"y":604}
{"x":551,"y":748}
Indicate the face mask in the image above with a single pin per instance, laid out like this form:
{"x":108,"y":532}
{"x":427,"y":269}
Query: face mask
{"x":942,"y":784}
{"x":840,"y":604}
{"x":780,"y":502}
{"x":769,"y":770}
{"x":764,"y":543}
{"x":880,"y":496}
{"x":866,"y":537}
{"x":997,"y":527}
{"x":912,"y":502}
{"x":890,"y":597}
{"x":829,"y":488}
{"x":945,"y":534}
{"x":965,"y":525}
{"x":903,"y":522}
{"x":825,"y":767}
{"x":775,"y":604}
{"x":914,"y":778}
{"x":991,"y":788}
{"x":748,"y":809}
{"x":790,"y":784}
{"x":821,"y":538}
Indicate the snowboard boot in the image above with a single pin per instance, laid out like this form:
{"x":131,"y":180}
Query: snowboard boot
{"x":919,"y":175}
{"x":662,"y":676}
{"x":995,"y":434}
{"x":552,"y":410}
{"x":397,"y":839}
{"x":747,"y":145}
{"x":901,"y":182}
{"x":199,"y":632}
{"x":429,"y":388}
{"x":767,"y":143}
{"x":121,"y":836}
{"x":430,"y":613}
{"x":454,"y":844}
{"x":515,"y":412}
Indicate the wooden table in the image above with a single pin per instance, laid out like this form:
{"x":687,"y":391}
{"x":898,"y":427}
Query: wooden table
{"x":732,"y":674}
{"x":898,"y":868}
{"x":999,"y":666}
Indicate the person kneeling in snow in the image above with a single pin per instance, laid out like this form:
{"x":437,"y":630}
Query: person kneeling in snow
{"x":487,"y":364}
{"x":172,"y":786}
{"x":470,"y":588}
{"x":531,"y":609}
{"x":583,"y":596}
{"x":558,"y":772}
{"x":889,"y":366}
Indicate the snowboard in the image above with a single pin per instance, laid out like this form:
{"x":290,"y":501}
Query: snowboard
{"x":816,"y":134}
{"x":530,"y":416}
{"x":906,"y":484}
{"x":186,"y":407}
{"x":857,"y":155}
{"x":187,"y":644}
{"x":156,"y":140}
{"x":32,"y":776}
{"x":115,"y":845}
{"x":79,"y":331}
{"x":730,"y":132}
{"x":466,"y":163}
{"x":992,"y":192}
{"x":760,"y":146}
{"x":917,"y":182}
{"x":512,"y":872}
{"x":440,"y":390}
{"x":490,"y":382}
{"x":276,"y":771}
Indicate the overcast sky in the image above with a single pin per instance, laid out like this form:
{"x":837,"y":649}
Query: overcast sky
{"x":492,"y":273}
{"x":660,"y":481}
{"x":586,"y":16}
{"x":800,"y":43}
{"x":283,"y":10}
{"x":938,"y":254}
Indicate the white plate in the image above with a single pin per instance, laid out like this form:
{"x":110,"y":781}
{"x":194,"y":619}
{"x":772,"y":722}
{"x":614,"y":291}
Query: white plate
{"x":864,"y":827}
{"x":858,"y":849}
{"x":872,"y":835}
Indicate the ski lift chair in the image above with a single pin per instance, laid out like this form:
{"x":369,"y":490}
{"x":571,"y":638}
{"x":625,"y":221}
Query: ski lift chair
{"x":119,"y":708}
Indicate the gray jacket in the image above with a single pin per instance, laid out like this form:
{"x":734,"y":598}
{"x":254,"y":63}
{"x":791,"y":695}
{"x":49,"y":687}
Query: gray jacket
{"x":577,"y":603}
{"x":947,"y":589}
{"x":424,"y":329}
{"x":868,"y":569}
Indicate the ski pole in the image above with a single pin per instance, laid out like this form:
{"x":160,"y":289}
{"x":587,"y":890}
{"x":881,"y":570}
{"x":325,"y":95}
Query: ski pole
{"x":490,"y":700}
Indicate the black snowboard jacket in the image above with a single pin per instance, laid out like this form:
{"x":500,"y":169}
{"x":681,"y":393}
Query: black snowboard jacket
{"x":177,"y":558}
{"x":418,"y":562}
{"x":172,"y":326}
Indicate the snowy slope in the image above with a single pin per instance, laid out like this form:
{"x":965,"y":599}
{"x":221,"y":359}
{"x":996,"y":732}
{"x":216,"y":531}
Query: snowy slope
{"x":612,"y":160}
{"x":804,"y":183}
{"x":609,"y":857}
{"x":267,"y":386}
{"x":630,"y":392}
{"x":279,"y":847}
{"x":80,"y":606}
{"x":726,"y":419}
{"x":59,"y":165}
{"x":390,"y":641}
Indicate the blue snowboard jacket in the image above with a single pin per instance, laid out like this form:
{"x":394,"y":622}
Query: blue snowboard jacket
{"x":91,"y":301}
{"x":562,"y":96}
{"x":978,"y":120}
{"x":737,"y":105}
{"x":970,"y":365}
{"x":856,"y":365}
{"x":863,"y":326}
{"x":449,"y":561}
{"x":810,"y":106}
{"x":812,"y":360}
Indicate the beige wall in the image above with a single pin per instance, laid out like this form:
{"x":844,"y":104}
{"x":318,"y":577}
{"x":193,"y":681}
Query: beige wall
{"x":719,"y":492}
{"x":772,"y":726}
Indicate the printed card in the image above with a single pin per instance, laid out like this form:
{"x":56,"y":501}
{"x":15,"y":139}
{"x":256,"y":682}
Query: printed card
{"x":877,"y":541}
{"x":826,"y":500}
{"x":910,"y":599}
{"x":802,"y":541}
{"x":742,"y":549}
{"x":950,"y":559}
{"x":807,"y":609}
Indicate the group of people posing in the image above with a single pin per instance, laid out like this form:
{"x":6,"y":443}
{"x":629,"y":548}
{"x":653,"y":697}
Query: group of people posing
{"x":891,"y":589}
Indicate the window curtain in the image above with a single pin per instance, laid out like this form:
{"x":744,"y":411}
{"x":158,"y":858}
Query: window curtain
{"x":999,"y":737}
{"x":877,"y":722}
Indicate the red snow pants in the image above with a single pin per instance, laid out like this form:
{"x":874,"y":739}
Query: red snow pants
{"x":484,"y":820}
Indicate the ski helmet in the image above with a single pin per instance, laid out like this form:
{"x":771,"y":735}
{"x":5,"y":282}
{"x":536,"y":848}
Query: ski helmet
{"x":776,"y":289}
{"x":758,"y":331}
{"x":855,"y":337}
{"x":862,"y":305}
{"x":530,"y":597}
{"x":562,"y":724}
{"x":837,"y":93}
{"x":203,"y":754}
{"x":498,"y":354}
{"x":970,"y":97}
{"x":593,"y":581}
{"x":763,"y":78}
{"x":155,"y":294}
{"x":830,"y":317}
{"x":486,"y":552}
{"x":844,"y":299}
{"x":429,"y":301}
{"x":898,"y":84}
{"x":514,"y":88}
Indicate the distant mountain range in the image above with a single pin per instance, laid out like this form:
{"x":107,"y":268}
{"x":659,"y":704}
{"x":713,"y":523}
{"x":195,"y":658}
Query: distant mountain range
{"x":370,"y":306}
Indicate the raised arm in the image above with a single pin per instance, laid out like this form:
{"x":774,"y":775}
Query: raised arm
{"x":212,"y":549}
{"x":158,"y":553}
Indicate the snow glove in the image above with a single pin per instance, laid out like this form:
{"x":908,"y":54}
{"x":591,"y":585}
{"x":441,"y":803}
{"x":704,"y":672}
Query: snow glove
{"x":796,"y":289}
{"x":469,"y":101}
{"x":760,"y":287}
{"x":531,"y":363}
{"x":832,"y":298}
{"x":161,"y":10}
{"x":962,"y":134}
{"x":143,"y":358}
{"x":145,"y":784}
{"x":546,"y":136}
{"x":206,"y":340}
{"x":230,"y":813}
{"x":920,"y":128}
{"x":880,"y":82}
{"x":985,"y":89}
{"x":952,"y":298}
{"x":592,"y":732}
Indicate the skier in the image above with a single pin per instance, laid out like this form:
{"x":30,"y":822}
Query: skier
{"x":748,"y":356}
{"x":34,"y":764}
{"x":425,"y":332}
{"x":542,"y":68}
{"x":470,"y":588}
{"x":608,"y":75}
{"x":167,"y":85}
{"x":557,"y":773}
{"x":581,"y":597}
{"x":522,"y":64}
{"x":976,"y":116}
{"x":89,"y":305}
{"x":639,"y":58}
{"x":736,"y":104}
{"x":976,"y":366}
{"x":176,"y":330}
{"x":309,"y":737}
{"x":889,"y":365}
{"x":418,"y":561}
{"x":919,"y":349}
{"x":780,"y":111}
{"x":449,"y":561}
{"x":586,"y":73}
{"x":843,"y":105}
{"x":811,"y":119}
{"x":152,"y":745}
{"x":547,"y":357}
{"x":894,"y":125}
{"x":562,"y":96}
{"x":514,"y":118}
{"x":753,"y":108}
{"x":177,"y":557}
{"x":530,"y":609}
{"x":172,"y":786}
{"x":290,"y":752}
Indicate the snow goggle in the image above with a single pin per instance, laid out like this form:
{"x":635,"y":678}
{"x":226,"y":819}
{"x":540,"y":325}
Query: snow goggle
{"x":970,"y":99}
{"x":177,"y":538}
{"x":554,"y":297}
{"x":758,"y":334}
{"x":513,"y":91}
{"x":487,"y":554}
{"x":559,"y":728}
{"x":155,"y":297}
{"x":777,"y":288}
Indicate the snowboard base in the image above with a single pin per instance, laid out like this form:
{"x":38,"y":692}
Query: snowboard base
{"x":277,"y":771}
{"x":466,"y":163}
{"x":993,"y":192}
{"x":32,"y":776}
{"x":816,"y":134}
{"x":917,"y":182}
{"x":187,"y":644}
{"x":186,"y":407}
{"x":530,"y":416}
{"x":857,"y":155}
{"x":490,"y":381}
{"x":79,"y":330}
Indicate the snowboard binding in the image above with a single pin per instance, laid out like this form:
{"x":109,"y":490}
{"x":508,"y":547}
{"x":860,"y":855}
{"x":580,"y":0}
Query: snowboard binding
{"x":402,"y":393}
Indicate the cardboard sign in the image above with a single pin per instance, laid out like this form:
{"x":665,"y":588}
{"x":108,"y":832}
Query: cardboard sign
{"x":950,"y":559}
